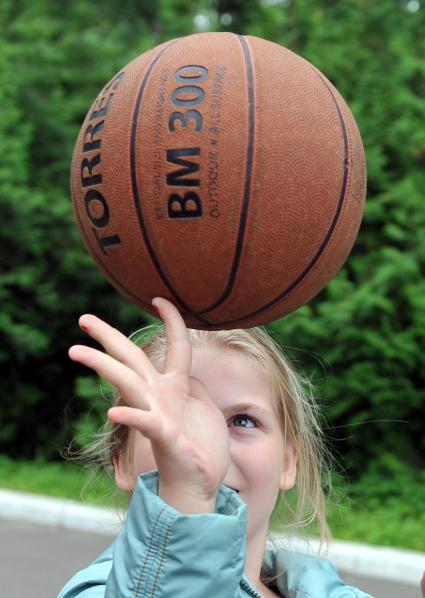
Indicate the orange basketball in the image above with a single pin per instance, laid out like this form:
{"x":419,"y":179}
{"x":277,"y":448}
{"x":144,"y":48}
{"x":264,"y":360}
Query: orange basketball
{"x":222,"y":172}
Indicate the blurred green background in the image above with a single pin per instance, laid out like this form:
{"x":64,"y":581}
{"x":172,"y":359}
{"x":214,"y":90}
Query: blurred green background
{"x":362,"y":339}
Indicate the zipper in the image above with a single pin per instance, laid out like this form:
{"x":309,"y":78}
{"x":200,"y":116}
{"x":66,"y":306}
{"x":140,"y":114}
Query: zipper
{"x":249,"y":589}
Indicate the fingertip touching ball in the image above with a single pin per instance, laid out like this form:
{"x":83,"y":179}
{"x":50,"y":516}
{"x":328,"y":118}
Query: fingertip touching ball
{"x":223,"y":172}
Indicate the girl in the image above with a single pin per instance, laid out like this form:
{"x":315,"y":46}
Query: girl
{"x":208,"y":430}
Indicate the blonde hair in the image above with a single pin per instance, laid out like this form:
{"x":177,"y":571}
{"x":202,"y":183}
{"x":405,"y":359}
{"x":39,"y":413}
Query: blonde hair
{"x":296,"y":408}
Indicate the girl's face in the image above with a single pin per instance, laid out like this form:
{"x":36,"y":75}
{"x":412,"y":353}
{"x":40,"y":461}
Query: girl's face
{"x":260,"y":463}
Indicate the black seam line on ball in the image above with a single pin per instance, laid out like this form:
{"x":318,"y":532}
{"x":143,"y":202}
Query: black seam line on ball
{"x":331,"y":228}
{"x":136,"y":195}
{"x":248,"y":178}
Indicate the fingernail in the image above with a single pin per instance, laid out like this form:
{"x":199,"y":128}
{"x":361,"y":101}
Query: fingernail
{"x":153,"y":304}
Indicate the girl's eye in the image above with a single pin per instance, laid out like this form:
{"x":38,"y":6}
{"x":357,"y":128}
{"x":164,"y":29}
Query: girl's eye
{"x":244,"y":418}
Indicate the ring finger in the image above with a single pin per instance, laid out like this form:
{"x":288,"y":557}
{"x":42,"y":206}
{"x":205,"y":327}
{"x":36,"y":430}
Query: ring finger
{"x":118,"y":346}
{"x":131,"y":386}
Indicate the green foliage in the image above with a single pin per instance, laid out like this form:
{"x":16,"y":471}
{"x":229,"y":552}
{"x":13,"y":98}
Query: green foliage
{"x":367,"y":326}
{"x":54,"y":59}
{"x":62,"y":480}
{"x":362,"y":339}
{"x":356,"y":514}
{"x":91,"y":393}
{"x":385,"y":505}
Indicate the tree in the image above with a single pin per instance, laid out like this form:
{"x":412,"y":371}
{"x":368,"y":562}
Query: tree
{"x":367,"y":326}
{"x":54,"y":60}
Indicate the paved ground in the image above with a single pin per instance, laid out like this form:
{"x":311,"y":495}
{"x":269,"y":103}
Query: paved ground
{"x":35,"y":561}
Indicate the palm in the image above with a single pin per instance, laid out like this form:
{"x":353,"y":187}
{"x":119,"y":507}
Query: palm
{"x":187,"y":431}
{"x":193,"y":447}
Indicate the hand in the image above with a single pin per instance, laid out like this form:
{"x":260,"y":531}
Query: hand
{"x":188,"y":433}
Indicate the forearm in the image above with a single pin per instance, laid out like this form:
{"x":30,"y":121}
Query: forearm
{"x":165,"y":553}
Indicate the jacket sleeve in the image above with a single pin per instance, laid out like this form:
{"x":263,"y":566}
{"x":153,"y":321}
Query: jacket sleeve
{"x":90,"y":582}
{"x":162,"y":553}
{"x":309,"y":576}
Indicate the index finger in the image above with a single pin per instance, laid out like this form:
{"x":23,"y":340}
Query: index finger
{"x":178,"y":355}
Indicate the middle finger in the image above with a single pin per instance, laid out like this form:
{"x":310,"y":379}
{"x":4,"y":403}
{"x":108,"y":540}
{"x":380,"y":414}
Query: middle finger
{"x":179,"y":349}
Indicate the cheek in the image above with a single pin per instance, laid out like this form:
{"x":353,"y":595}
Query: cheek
{"x":261,"y":461}
{"x":269,"y":465}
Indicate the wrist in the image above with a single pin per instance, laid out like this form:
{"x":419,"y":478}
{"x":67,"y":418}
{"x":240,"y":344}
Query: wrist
{"x":183,"y":501}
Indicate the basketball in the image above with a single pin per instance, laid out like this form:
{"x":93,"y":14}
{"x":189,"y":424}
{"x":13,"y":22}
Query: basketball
{"x":222,"y":172}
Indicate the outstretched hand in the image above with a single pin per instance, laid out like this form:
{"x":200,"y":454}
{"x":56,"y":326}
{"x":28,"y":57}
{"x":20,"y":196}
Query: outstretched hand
{"x":188,"y":433}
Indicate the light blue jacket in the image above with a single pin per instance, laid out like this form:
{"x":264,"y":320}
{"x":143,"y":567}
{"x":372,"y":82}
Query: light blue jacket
{"x":161,"y":553}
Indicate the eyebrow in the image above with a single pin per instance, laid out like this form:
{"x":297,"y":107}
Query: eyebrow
{"x":262,"y":411}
